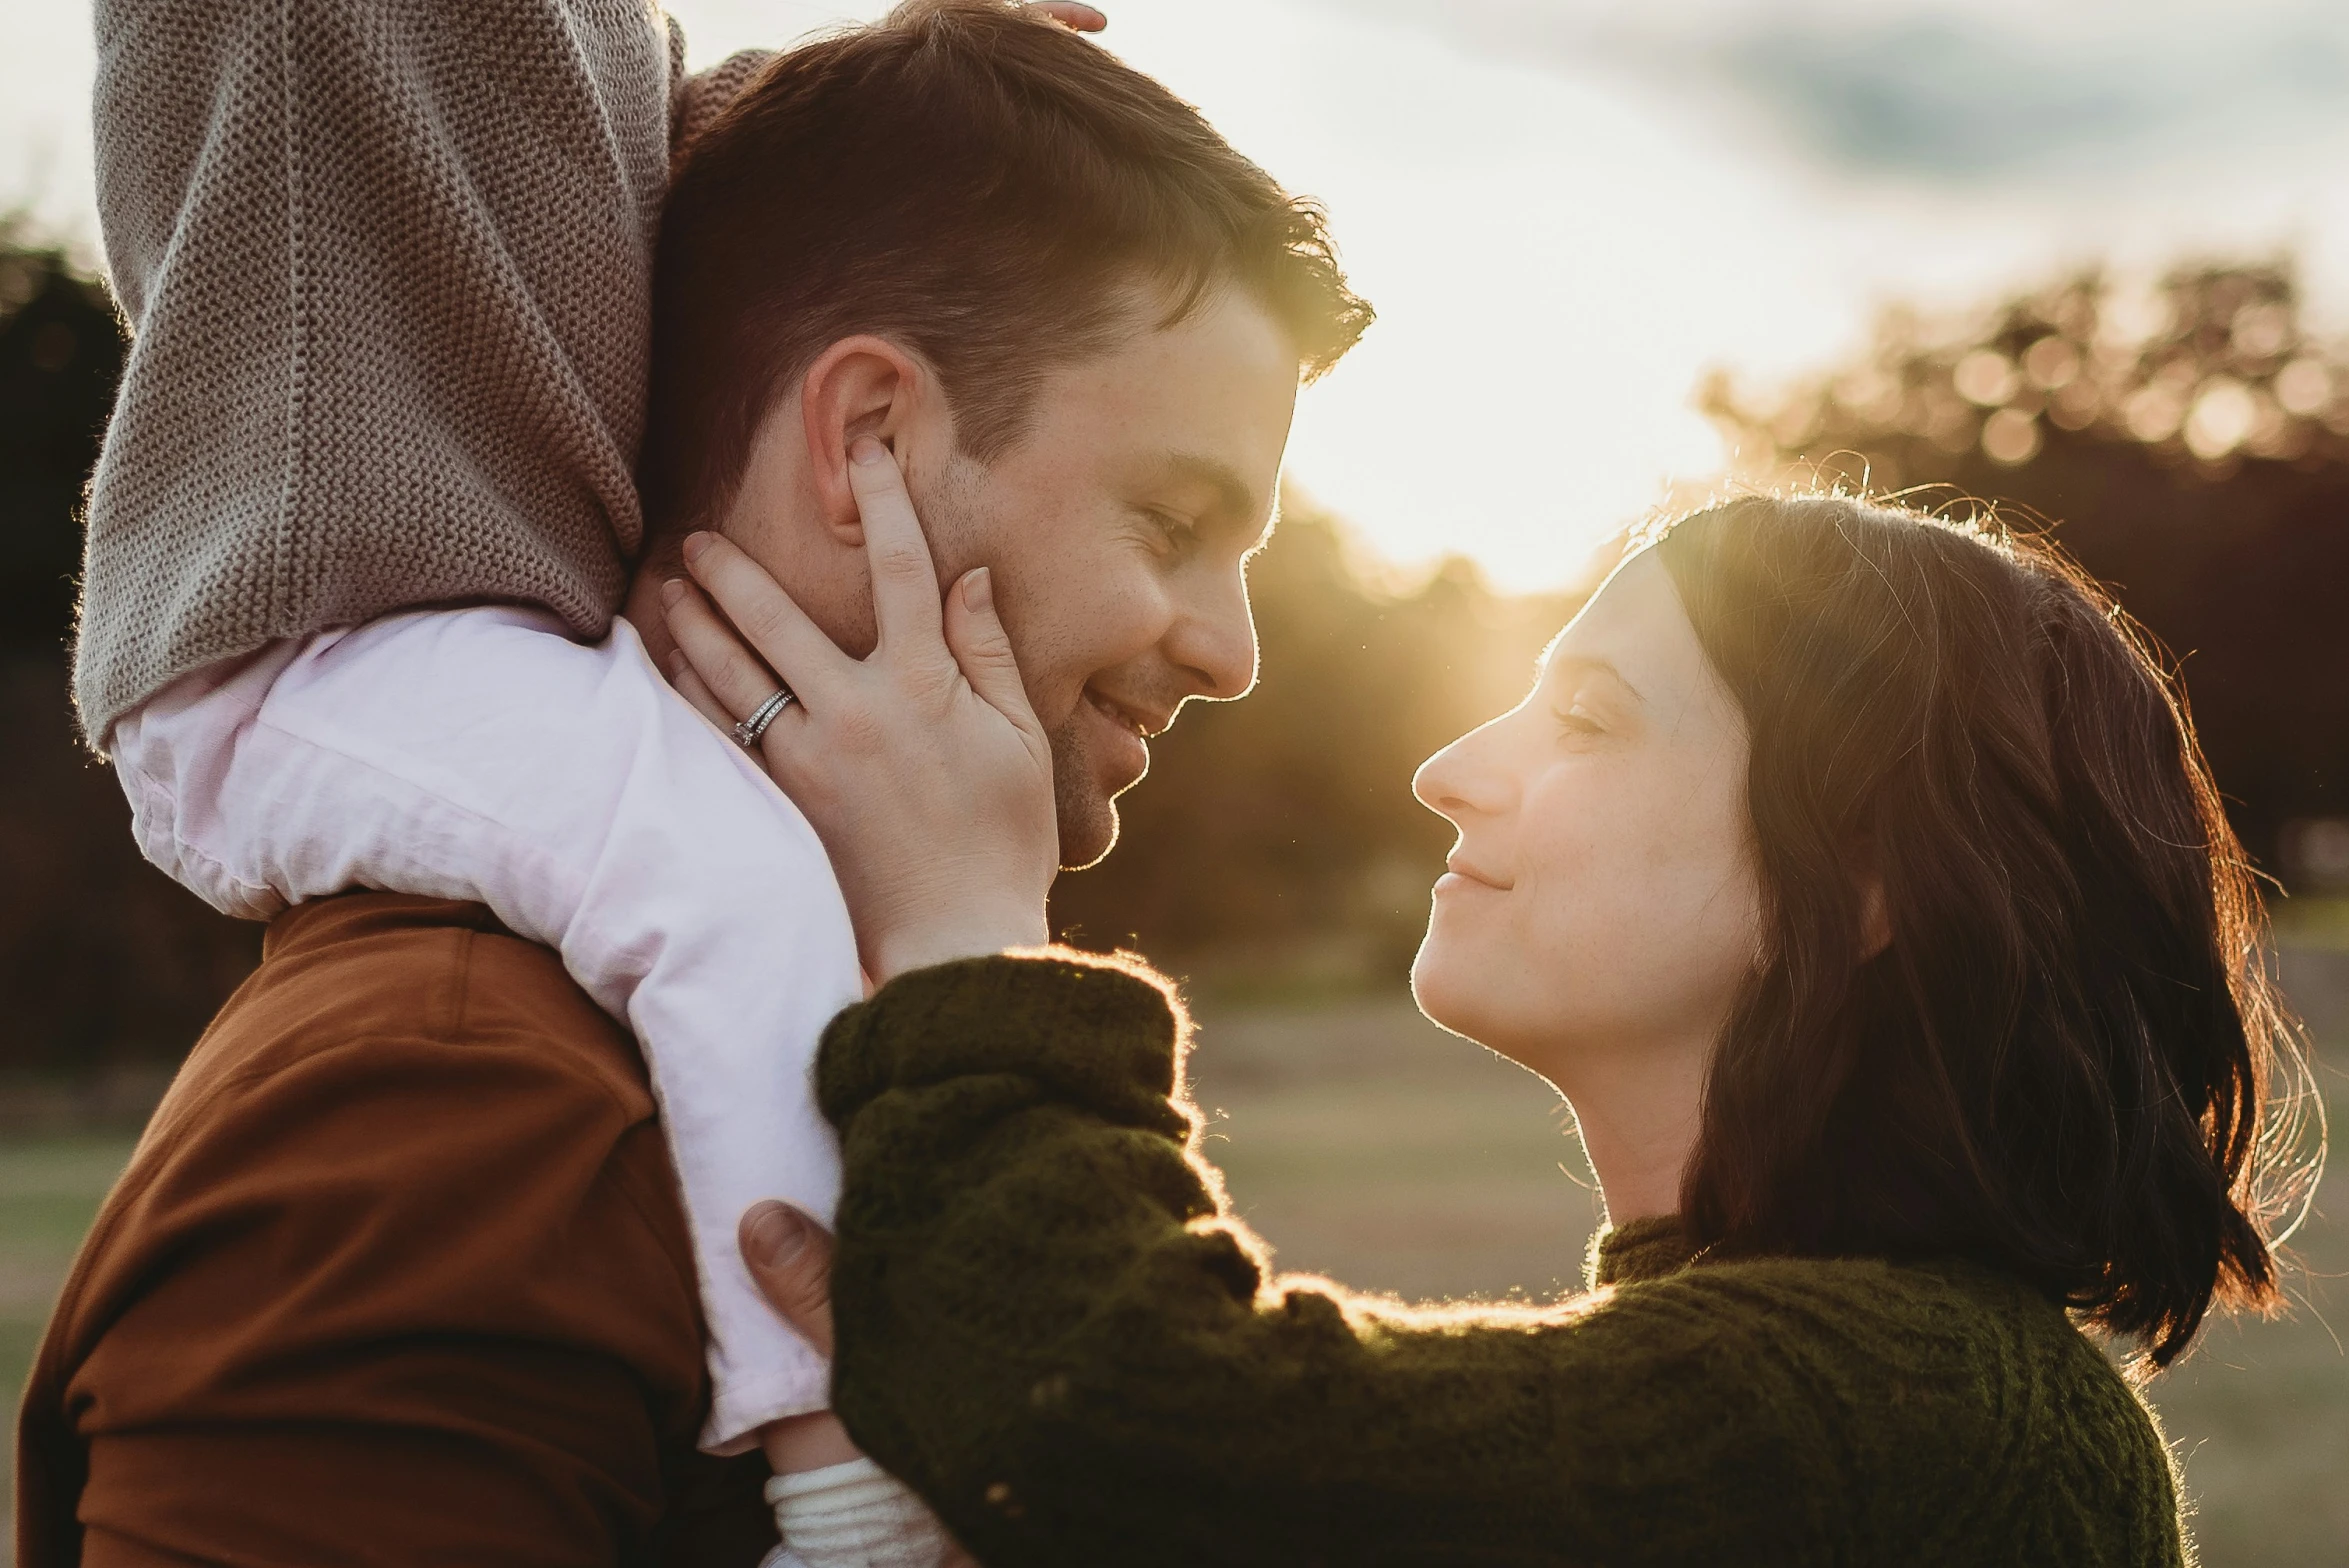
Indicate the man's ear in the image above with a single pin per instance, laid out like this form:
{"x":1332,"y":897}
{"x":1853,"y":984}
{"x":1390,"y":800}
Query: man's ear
{"x":860,"y":386}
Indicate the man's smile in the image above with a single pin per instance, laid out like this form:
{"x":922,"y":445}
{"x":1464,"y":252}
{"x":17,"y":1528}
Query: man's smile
{"x":1123,"y":751}
{"x":1147,"y":724}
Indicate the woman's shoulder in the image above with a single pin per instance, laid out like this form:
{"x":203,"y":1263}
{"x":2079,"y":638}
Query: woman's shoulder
{"x":1949,"y":1389}
{"x":1945,"y":1350}
{"x":1948,"y":1340}
{"x":1969,"y":1303}
{"x":1910,"y":1314}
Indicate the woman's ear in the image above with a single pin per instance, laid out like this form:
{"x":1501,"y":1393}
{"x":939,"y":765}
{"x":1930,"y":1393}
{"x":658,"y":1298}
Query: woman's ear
{"x":1875,"y":917}
{"x":860,"y":386}
{"x":1865,"y":869}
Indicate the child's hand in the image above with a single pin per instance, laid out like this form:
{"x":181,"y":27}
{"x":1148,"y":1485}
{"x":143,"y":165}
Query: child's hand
{"x":1076,"y":18}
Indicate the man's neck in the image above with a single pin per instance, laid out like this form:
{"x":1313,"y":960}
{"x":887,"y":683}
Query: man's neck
{"x":643,"y":609}
{"x":825,"y":577}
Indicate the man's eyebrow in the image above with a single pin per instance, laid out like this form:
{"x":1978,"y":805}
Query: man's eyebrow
{"x":1590,"y":664}
{"x":1232,"y":494}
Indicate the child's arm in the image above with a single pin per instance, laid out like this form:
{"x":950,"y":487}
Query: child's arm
{"x":482,"y":755}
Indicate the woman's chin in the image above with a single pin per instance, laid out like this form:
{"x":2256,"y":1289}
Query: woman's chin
{"x":1439,"y":988}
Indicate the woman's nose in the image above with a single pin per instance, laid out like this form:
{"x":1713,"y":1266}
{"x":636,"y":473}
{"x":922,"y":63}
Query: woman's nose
{"x":1461,"y":780}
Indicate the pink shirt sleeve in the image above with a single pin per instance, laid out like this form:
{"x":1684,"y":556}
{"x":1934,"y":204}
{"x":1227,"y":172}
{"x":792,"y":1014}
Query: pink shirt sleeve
{"x":482,"y":754}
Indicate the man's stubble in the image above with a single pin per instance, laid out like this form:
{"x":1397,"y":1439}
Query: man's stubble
{"x":962,"y":530}
{"x":1087,"y":815}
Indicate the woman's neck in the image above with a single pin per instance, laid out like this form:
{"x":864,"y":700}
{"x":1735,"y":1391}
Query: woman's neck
{"x":1639,"y":1114}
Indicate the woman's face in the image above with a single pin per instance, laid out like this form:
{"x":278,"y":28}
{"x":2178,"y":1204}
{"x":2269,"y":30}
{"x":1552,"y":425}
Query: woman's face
{"x":1602,"y":902}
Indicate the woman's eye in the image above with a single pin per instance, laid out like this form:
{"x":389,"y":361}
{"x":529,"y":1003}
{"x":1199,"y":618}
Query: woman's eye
{"x":1578,"y":720}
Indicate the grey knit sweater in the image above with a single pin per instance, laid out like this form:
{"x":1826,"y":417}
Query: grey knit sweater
{"x":388,"y":270}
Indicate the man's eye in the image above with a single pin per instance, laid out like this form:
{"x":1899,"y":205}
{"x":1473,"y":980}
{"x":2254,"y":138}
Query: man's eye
{"x":1177,"y":534}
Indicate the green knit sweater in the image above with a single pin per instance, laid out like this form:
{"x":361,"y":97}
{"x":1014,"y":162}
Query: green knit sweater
{"x":1051,"y":1326}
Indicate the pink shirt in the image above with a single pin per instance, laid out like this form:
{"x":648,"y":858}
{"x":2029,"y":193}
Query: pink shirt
{"x":482,"y":754}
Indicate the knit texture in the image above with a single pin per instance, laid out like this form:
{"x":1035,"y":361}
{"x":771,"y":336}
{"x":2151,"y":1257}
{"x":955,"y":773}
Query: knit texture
{"x":1051,"y":1326}
{"x":388,"y":273}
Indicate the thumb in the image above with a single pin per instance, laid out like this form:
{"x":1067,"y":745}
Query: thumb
{"x":975,"y":633}
{"x":790,"y":1258}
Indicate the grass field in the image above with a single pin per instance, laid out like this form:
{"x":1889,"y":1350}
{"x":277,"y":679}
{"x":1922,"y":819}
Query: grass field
{"x":1369,"y":1146}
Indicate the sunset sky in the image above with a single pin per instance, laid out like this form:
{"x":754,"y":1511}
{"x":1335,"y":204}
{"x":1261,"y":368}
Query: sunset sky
{"x":1566,"y":211}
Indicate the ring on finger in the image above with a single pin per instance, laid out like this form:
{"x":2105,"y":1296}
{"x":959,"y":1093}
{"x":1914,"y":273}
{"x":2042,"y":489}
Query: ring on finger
{"x":747,"y":733}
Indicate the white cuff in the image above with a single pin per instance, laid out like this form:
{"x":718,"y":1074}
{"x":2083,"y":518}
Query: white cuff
{"x":856,"y":1515}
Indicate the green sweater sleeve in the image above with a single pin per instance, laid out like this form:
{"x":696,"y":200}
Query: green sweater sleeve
{"x":1049,"y":1324}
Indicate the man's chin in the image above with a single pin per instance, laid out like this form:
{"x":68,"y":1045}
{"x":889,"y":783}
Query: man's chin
{"x":1088,"y":832}
{"x":1085,"y":805}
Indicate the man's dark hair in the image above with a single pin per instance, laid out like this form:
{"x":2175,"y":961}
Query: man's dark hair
{"x":2070,"y":1062}
{"x":976,"y":182}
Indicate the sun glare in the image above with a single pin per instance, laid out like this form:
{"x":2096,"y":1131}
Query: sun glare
{"x":1564,"y":232}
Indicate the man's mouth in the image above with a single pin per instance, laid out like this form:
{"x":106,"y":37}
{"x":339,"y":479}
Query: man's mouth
{"x":1145,"y":725}
{"x":1122,"y":754}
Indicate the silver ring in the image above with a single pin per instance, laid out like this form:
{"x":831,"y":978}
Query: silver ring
{"x":747,"y":733}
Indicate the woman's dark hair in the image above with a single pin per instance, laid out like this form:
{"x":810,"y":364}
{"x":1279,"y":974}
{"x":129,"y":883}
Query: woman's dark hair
{"x":2070,"y":1061}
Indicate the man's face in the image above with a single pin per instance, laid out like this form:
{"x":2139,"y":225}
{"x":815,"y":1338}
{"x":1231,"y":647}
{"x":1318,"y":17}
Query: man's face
{"x":1118,"y":531}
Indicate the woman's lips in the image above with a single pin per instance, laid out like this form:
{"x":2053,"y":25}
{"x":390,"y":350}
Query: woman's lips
{"x":1460,"y":876}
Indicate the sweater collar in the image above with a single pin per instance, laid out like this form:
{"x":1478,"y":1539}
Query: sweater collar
{"x":1639,"y":1250}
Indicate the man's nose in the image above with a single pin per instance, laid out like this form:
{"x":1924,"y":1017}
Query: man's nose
{"x":1213,"y":639}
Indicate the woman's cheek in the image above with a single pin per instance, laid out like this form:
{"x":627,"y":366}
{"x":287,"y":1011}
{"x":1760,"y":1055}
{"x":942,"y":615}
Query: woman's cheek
{"x":1586,"y":908}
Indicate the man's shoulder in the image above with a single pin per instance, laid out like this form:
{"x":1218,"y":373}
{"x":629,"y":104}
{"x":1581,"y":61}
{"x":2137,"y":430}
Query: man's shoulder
{"x":414,"y":1123}
{"x":410,"y":1183}
{"x":345,"y":982}
{"x":404,"y":1070}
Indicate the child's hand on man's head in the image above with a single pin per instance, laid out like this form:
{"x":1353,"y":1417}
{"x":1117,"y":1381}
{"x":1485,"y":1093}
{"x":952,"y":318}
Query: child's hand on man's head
{"x":1076,"y":18}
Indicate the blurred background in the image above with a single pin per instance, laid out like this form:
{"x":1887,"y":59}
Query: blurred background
{"x":2087,"y":264}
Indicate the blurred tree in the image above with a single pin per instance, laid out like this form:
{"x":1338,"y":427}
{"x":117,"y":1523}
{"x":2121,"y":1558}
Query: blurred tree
{"x":60,"y":355}
{"x":2191,"y":436}
{"x":102,"y":958}
{"x":2188,"y":442}
{"x":1281,"y":831}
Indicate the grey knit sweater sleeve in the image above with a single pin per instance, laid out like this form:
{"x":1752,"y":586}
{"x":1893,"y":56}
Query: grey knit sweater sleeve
{"x":387,"y":266}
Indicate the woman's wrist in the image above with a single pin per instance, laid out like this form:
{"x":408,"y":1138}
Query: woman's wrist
{"x":963,"y":933}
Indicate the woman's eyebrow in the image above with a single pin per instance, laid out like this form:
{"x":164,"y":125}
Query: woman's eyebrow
{"x":1590,"y":664}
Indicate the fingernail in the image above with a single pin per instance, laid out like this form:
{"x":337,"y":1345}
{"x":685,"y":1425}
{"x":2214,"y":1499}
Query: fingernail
{"x":677,"y":665}
{"x":777,"y":1233}
{"x":672,"y":591}
{"x":864,"y":449}
{"x":695,"y":543}
{"x":978,"y":589}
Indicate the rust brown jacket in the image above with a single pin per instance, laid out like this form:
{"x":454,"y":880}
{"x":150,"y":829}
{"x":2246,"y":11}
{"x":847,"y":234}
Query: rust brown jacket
{"x":398,"y":1275}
